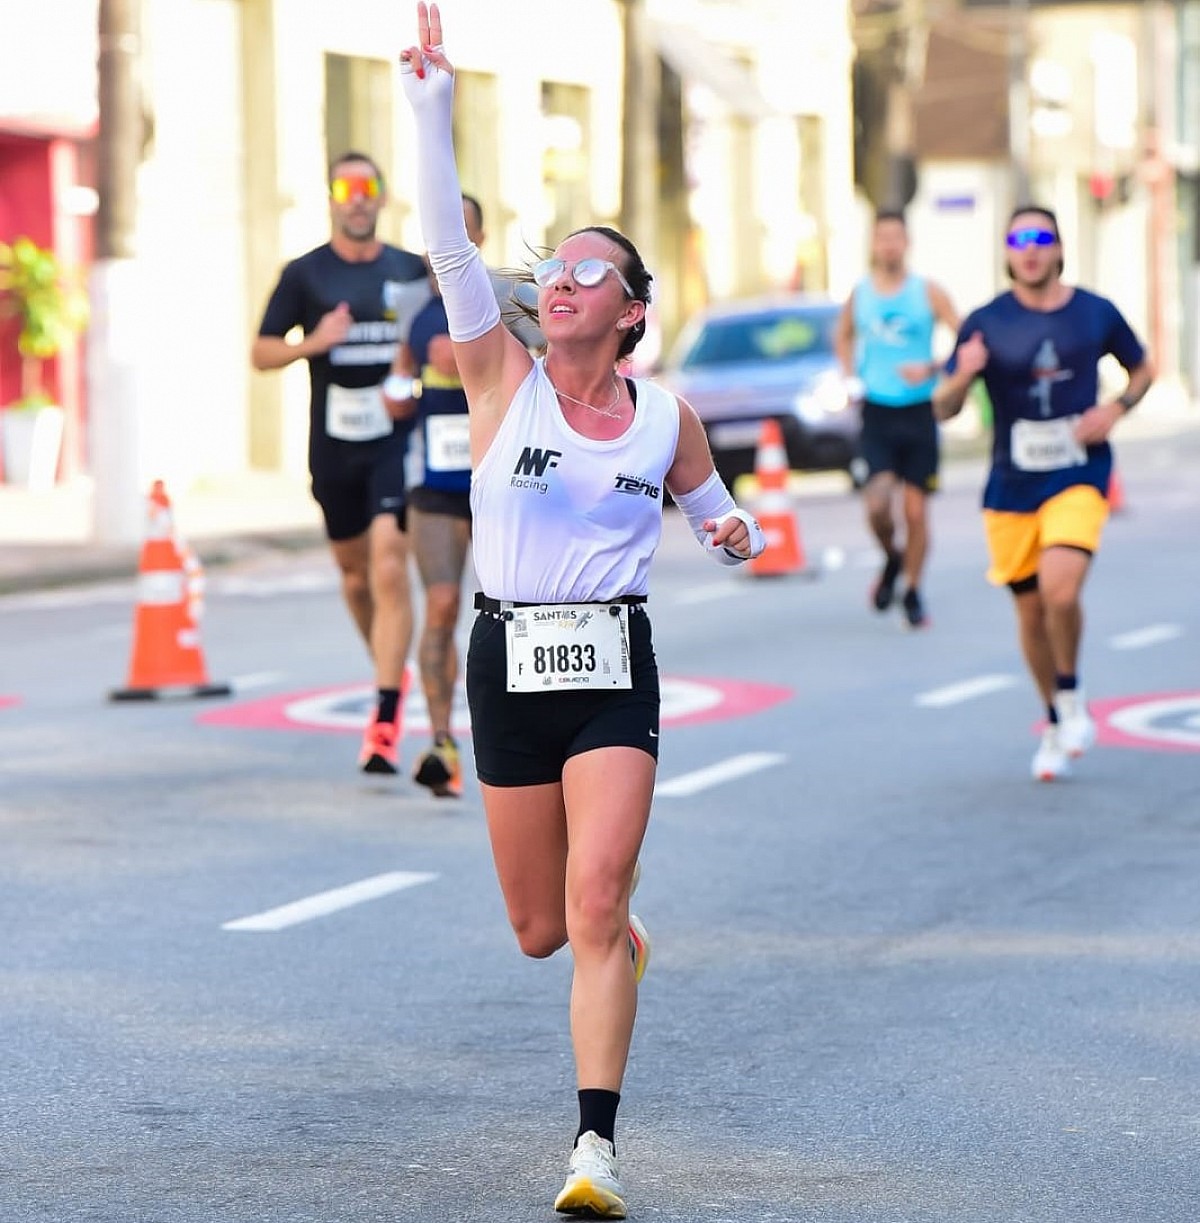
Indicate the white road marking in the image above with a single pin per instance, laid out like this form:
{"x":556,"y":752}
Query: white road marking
{"x":955,"y":694}
{"x":257,"y":679}
{"x":711,"y":592}
{"x":716,"y":774}
{"x":1139,"y":638}
{"x":324,"y":903}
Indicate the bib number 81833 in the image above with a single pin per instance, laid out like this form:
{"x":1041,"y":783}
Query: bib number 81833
{"x":568,"y":645}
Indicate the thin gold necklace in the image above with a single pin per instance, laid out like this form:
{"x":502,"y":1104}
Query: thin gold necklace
{"x":606,"y":411}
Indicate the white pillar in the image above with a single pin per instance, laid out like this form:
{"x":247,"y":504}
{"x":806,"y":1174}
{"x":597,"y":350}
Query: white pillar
{"x":115,"y":336}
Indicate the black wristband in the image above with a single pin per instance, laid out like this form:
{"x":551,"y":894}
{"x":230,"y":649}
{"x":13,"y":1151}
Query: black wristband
{"x":1126,"y":401}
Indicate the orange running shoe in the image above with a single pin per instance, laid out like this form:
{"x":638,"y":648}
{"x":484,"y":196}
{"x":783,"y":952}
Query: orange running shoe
{"x":380,"y":748}
{"x":441,"y":770}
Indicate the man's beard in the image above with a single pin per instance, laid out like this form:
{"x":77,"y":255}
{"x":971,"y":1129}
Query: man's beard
{"x":1042,"y":282}
{"x":359,"y":231}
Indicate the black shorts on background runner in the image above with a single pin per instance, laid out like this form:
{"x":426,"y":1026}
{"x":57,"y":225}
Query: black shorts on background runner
{"x":439,"y":501}
{"x":367,"y":480}
{"x":903,"y":441}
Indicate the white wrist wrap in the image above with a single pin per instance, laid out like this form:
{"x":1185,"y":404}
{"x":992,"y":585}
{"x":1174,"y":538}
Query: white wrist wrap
{"x":471,"y":308}
{"x":712,"y":502}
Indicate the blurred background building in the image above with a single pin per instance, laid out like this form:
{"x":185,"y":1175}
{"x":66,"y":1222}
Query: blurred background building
{"x":965,"y":109}
{"x":742,"y":145}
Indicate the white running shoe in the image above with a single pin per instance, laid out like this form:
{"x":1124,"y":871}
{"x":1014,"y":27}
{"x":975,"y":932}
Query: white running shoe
{"x":593,"y":1188}
{"x":1076,"y":730}
{"x":1050,"y":761}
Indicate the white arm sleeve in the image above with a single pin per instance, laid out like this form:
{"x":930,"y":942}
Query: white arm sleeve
{"x":711,"y":501}
{"x":471,"y":308}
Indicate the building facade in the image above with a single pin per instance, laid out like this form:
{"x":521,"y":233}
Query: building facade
{"x":726,"y":159}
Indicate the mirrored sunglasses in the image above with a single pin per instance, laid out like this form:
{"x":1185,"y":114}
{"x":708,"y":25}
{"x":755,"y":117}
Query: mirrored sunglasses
{"x":347,"y":187}
{"x":586,"y":272}
{"x":1019,"y":239}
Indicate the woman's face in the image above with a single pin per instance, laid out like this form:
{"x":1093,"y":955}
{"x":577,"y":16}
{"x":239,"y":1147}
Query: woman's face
{"x":567,"y":309}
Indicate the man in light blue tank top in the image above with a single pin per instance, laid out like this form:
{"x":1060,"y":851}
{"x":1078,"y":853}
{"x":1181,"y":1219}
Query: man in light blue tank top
{"x":885,"y":342}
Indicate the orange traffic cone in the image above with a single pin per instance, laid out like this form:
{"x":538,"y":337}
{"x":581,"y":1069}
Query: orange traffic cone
{"x":1116,"y":492}
{"x":784,"y":552}
{"x":166,"y":658}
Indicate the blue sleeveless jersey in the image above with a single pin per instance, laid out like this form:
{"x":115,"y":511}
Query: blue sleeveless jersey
{"x":892,"y":330}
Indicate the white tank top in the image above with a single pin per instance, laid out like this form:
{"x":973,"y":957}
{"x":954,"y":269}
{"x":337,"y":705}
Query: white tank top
{"x":562,"y":518}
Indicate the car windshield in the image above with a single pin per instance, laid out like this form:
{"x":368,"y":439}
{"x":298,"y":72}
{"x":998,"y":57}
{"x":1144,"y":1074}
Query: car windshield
{"x":774,"y":336}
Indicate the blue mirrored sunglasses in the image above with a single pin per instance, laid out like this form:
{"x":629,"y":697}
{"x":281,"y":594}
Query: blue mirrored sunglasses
{"x":586,"y":272}
{"x":1019,"y":239}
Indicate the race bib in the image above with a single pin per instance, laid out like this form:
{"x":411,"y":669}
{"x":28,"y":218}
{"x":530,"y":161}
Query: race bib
{"x":356,"y":414}
{"x":447,"y":443}
{"x":1046,"y":445}
{"x":554,"y":646}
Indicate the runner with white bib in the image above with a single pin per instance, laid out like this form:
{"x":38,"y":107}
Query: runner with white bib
{"x":1037,"y":349}
{"x":571,"y":466}
{"x":353,"y":299}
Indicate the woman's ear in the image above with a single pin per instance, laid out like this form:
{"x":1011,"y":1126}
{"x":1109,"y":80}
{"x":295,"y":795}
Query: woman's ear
{"x":635,"y":312}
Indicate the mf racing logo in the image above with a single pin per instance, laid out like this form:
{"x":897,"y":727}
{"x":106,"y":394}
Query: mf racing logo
{"x":531,"y":468}
{"x":634,"y":485}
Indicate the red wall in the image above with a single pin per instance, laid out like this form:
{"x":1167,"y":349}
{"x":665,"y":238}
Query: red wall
{"x":35,"y":174}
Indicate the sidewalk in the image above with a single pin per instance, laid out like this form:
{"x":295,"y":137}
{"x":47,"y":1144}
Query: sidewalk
{"x":45,"y":537}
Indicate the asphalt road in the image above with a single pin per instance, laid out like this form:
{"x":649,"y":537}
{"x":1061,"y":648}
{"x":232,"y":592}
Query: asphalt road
{"x":894,"y":980}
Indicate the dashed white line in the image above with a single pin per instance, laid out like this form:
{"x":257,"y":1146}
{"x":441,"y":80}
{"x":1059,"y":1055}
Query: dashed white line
{"x":1139,"y":638}
{"x":324,"y":903}
{"x":716,"y":774}
{"x":711,"y":592}
{"x":967,"y":690}
{"x":257,"y":679}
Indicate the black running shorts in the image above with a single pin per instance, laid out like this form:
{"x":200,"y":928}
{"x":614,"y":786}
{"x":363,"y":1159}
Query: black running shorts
{"x":365,"y":482}
{"x":903,"y":441}
{"x":525,"y":738}
{"x":439,"y":501}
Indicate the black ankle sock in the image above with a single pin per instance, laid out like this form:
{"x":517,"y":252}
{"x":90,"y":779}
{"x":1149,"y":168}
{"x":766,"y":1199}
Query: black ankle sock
{"x":598,"y":1112}
{"x":1052,"y":714}
{"x":389,"y":703}
{"x":1066,"y":683}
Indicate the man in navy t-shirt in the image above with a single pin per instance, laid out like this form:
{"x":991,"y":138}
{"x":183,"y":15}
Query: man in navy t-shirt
{"x":353,"y":298}
{"x":1037,"y":348}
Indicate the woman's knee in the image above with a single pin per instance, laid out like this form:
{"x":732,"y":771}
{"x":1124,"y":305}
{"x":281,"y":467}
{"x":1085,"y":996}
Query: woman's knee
{"x":538,"y":938}
{"x":596,"y":913}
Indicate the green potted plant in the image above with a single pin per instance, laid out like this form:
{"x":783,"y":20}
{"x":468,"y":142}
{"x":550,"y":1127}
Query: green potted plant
{"x":49,"y":308}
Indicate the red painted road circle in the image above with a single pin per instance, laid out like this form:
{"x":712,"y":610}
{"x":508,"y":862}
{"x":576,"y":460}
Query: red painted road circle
{"x":1166,"y":722}
{"x":346,"y":710}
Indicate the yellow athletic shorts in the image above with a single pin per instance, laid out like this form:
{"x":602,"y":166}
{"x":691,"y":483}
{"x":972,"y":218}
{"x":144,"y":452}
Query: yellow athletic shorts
{"x":1074,"y":518}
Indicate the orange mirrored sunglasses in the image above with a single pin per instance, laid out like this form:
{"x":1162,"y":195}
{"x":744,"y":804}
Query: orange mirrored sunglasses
{"x":347,"y":187}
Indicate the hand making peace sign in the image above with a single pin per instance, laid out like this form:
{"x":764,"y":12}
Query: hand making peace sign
{"x":425,"y":68}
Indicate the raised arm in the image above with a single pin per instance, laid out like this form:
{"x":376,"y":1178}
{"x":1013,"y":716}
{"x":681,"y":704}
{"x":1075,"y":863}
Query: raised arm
{"x":491,"y":362}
